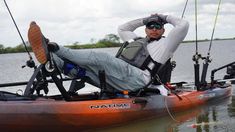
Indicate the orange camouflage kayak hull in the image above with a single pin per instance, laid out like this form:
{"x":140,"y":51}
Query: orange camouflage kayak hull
{"x":53,"y":114}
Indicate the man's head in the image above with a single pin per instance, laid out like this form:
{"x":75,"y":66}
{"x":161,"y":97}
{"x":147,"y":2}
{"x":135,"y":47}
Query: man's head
{"x":154,"y":28}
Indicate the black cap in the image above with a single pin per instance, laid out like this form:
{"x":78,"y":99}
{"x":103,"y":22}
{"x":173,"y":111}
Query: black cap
{"x":153,"y":20}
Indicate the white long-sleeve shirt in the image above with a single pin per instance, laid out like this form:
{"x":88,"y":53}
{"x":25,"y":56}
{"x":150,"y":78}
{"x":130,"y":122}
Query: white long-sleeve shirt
{"x":160,"y":50}
{"x":164,"y":48}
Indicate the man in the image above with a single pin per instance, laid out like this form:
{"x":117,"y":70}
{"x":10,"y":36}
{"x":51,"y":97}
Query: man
{"x":160,"y":48}
{"x":121,"y":74}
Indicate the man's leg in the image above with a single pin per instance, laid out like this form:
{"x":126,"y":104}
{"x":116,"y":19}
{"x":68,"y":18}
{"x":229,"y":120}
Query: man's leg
{"x":119,"y":74}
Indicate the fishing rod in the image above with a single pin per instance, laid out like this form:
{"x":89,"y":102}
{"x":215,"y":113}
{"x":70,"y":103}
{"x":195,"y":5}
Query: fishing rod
{"x":207,"y":58}
{"x":30,"y":63}
{"x":186,"y":3}
{"x":197,"y":56}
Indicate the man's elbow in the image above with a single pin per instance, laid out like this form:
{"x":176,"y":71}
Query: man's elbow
{"x":119,"y":30}
{"x":185,"y":25}
{"x":183,"y":29}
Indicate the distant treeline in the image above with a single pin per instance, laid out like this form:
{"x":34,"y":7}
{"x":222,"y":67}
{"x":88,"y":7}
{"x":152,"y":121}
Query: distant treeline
{"x":17,"y":49}
{"x":100,"y":44}
{"x":110,"y":40}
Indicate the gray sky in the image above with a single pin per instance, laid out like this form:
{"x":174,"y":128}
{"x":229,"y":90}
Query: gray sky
{"x":69,"y":21}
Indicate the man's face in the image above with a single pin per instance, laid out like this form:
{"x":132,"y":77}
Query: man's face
{"x":154,"y":30}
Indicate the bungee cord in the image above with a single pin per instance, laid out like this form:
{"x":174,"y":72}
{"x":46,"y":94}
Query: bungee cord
{"x":169,"y":112}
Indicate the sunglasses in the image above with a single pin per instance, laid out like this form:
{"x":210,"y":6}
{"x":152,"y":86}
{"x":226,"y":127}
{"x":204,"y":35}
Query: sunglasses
{"x":156,"y":26}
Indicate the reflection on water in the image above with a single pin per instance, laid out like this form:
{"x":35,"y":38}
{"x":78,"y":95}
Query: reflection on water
{"x":161,"y":124}
{"x":213,"y":117}
{"x":208,"y":122}
{"x":216,"y":119}
{"x":231,"y":107}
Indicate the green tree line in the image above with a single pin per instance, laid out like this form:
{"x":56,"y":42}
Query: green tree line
{"x":17,"y":49}
{"x":110,"y":40}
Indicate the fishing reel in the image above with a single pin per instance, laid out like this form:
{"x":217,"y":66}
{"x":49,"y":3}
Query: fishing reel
{"x":196,"y":57}
{"x":29,"y":63}
{"x":207,"y":59}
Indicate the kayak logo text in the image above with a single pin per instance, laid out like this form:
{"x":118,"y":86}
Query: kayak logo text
{"x":113,"y":106}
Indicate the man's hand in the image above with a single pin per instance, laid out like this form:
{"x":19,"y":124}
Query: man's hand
{"x":155,"y":17}
{"x":146,"y":20}
{"x":163,"y":17}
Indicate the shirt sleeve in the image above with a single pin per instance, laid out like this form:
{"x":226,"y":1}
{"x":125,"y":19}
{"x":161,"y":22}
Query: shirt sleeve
{"x":164,"y":48}
{"x":177,"y":34}
{"x":126,"y":31}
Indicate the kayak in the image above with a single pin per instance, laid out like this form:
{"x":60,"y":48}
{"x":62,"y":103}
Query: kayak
{"x":65,"y":112}
{"x":54,"y":113}
{"x":69,"y":112}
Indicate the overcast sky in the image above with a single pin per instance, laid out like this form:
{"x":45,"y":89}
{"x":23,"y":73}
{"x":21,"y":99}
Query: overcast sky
{"x":69,"y":21}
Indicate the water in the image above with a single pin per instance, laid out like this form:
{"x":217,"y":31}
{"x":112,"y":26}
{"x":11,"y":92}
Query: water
{"x":217,"y":117}
{"x":211,"y":118}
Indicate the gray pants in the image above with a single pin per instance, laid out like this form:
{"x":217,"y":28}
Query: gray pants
{"x":119,"y":74}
